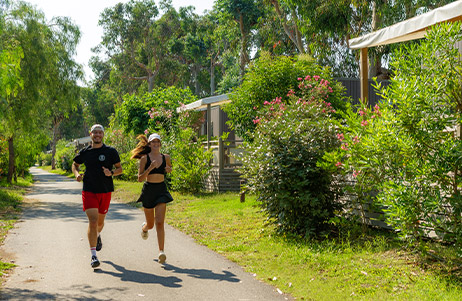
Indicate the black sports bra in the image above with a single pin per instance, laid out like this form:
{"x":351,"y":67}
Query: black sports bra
{"x":159,"y":170}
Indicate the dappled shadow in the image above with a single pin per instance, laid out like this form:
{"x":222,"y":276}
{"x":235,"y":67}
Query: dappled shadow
{"x":202,"y":273}
{"x":73,"y":212}
{"x":140,"y":277}
{"x":47,"y":189}
{"x":50,"y":177}
{"x":85,"y":292}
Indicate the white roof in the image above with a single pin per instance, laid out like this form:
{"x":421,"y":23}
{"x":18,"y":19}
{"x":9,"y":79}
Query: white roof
{"x":411,"y":29}
{"x":202,"y":103}
{"x":82,"y":140}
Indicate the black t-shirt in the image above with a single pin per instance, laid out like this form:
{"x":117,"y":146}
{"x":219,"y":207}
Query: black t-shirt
{"x":94,"y":179}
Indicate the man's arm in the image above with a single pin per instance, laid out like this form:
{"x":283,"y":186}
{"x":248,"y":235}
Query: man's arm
{"x":114,"y":172}
{"x":76,"y":171}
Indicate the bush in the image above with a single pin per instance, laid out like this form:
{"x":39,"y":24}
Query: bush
{"x":129,"y":166}
{"x":404,"y":148}
{"x":280,"y":162}
{"x":270,"y":77}
{"x":190,"y":160}
{"x":65,"y":153}
{"x":44,"y":159}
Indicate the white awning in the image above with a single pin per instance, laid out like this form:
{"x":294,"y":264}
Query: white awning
{"x":202,"y":103}
{"x":411,"y":29}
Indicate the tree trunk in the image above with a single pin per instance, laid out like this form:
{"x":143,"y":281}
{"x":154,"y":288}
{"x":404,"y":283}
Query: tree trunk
{"x":375,"y":61}
{"x":212,"y":76}
{"x":150,"y":82}
{"x":244,"y":58}
{"x":11,"y":162}
{"x":53,"y":146}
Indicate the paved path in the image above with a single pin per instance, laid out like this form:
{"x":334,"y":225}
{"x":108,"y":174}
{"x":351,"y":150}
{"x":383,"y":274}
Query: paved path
{"x":50,"y":248}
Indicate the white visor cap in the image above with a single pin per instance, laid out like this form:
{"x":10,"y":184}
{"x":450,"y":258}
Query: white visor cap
{"x":97,"y":127}
{"x":154,"y":136}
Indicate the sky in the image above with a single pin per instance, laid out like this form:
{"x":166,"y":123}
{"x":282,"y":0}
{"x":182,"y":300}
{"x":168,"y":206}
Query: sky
{"x":85,"y":13}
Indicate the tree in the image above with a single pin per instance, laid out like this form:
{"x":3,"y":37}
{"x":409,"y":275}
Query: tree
{"x":61,"y":90}
{"x":245,"y":13}
{"x":129,"y":42}
{"x":22,"y":108}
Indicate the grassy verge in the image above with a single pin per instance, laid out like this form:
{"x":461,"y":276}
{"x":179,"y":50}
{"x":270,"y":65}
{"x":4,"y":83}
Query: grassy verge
{"x":57,"y":171}
{"x":11,"y":196}
{"x":375,"y":266}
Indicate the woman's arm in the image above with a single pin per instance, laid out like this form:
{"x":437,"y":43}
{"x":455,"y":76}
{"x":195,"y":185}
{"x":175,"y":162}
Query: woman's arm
{"x":144,"y":173}
{"x":168,"y":164}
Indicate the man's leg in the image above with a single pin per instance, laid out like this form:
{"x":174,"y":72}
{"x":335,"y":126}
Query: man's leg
{"x":93,"y":217}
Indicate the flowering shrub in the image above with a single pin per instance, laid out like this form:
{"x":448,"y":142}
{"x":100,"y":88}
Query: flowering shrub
{"x":190,"y":160}
{"x":269,"y":77}
{"x":123,"y":143}
{"x":280,"y":162}
{"x":155,"y":111}
{"x":406,"y":150}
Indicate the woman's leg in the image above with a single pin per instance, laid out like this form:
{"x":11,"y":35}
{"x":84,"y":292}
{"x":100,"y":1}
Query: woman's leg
{"x":160,"y":218}
{"x":149,"y":214}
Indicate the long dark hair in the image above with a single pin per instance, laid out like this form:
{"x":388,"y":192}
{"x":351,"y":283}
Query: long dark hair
{"x":142,"y":148}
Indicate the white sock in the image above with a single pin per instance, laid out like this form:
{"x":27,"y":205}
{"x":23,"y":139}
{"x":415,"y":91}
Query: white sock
{"x":93,"y":251}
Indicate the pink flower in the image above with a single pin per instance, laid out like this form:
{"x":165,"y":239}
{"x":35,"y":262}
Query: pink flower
{"x":299,"y":78}
{"x":146,"y":131}
{"x":340,"y":137}
{"x":364,"y":123}
{"x":166,"y":102}
{"x":361,"y":112}
{"x":356,"y":173}
{"x":254,"y":108}
{"x":256,"y":120}
{"x":344,"y":146}
{"x":355,"y":139}
{"x":338,"y":164}
{"x":308,"y":77}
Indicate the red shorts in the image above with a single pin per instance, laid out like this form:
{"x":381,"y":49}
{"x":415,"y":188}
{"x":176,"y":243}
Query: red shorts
{"x":96,"y":200}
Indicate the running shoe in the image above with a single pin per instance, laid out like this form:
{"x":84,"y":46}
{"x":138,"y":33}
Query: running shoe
{"x":162,"y":257}
{"x":94,"y":262}
{"x":99,"y":243}
{"x":144,"y":235}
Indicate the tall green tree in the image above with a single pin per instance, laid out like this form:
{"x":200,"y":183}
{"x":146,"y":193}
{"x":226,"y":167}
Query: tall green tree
{"x":22,"y":109}
{"x":129,"y":42}
{"x":245,"y":14}
{"x":61,"y":91}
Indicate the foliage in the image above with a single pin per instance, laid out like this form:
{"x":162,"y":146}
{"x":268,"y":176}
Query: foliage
{"x":43,"y":85}
{"x":44,"y":159}
{"x":155,"y":110}
{"x":190,"y":160}
{"x":407,"y":149}
{"x":280,"y":164}
{"x":270,"y":77}
{"x":65,"y":153}
{"x":130,"y":167}
{"x":123,"y":143}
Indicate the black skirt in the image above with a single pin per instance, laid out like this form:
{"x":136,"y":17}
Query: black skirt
{"x":153,"y":194}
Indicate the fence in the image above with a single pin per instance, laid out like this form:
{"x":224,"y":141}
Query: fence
{"x":353,"y":89}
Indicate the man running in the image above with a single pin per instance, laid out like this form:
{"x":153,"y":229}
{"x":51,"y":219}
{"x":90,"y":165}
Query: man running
{"x":99,"y":160}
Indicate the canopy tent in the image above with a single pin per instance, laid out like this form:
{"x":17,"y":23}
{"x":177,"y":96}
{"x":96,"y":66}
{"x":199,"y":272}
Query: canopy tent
{"x":207,"y":104}
{"x":411,"y":29}
{"x":203,"y":103}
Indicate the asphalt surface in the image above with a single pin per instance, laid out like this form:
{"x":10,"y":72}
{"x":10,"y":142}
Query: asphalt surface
{"x":50,"y":248}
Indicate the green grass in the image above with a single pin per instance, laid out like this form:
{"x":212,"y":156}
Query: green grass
{"x":375,"y":266}
{"x":371,"y":266}
{"x":11,"y":196}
